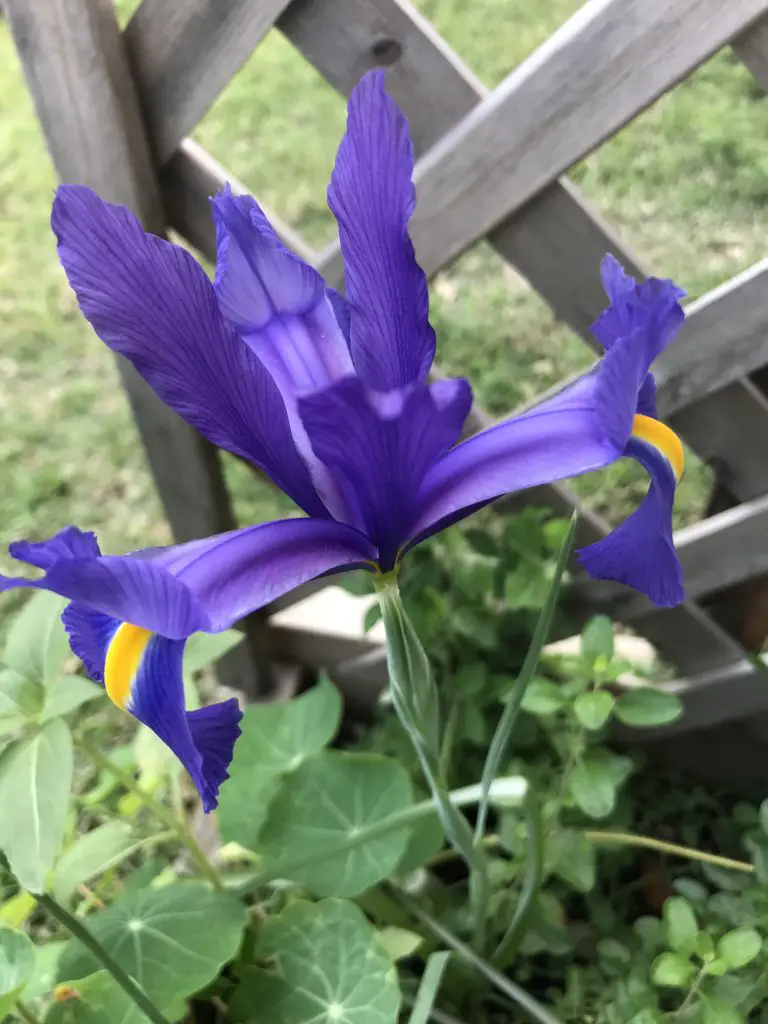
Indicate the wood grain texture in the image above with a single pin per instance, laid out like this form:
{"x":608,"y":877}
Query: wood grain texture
{"x":75,"y":66}
{"x":724,"y":337}
{"x":751,"y":47}
{"x":183,"y":54}
{"x":610,"y":61}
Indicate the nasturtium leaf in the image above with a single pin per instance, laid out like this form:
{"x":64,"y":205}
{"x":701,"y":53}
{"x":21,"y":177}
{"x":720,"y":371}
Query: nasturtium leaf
{"x":276,"y":739}
{"x":172,"y":940}
{"x":45,"y":971}
{"x":646,"y":706}
{"x":543,"y":697}
{"x":17,"y":961}
{"x":89,"y":856}
{"x":97,"y":999}
{"x":203,"y":649}
{"x":333,"y":797}
{"x":66,"y":693}
{"x":680,"y":924}
{"x":593,"y":709}
{"x":597,"y":639}
{"x":740,"y":947}
{"x":35,"y":783}
{"x":573,"y":858}
{"x":37,"y":644}
{"x":20,"y":700}
{"x":329,"y":967}
{"x":672,"y":969}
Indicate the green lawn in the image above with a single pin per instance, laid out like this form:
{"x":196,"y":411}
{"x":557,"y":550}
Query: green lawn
{"x":686,"y":184}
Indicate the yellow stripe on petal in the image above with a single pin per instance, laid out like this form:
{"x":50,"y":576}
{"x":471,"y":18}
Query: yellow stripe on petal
{"x":126,"y":650}
{"x":664,"y":440}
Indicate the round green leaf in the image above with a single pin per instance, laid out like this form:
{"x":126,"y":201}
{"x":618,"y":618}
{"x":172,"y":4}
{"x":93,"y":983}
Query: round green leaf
{"x":593,"y":787}
{"x":672,"y":969}
{"x":329,"y":968}
{"x":37,"y":644}
{"x":597,"y":639}
{"x":275,"y":739}
{"x":17,"y":961}
{"x":543,"y":697}
{"x":593,"y":709}
{"x":89,"y":856}
{"x":646,"y":706}
{"x":172,"y":940}
{"x":573,"y":858}
{"x":35,"y":783}
{"x":680,"y":924}
{"x":328,"y":799}
{"x":740,"y":947}
{"x":97,"y":999}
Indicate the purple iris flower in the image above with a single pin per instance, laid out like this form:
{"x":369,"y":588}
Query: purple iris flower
{"x":330,"y":398}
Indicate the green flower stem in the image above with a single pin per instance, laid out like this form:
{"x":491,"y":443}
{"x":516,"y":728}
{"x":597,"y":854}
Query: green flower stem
{"x":630,"y":839}
{"x":690,"y":995}
{"x":512,"y":790}
{"x":25,"y":1013}
{"x":518,"y":995}
{"x":77,"y":929}
{"x":178,"y":826}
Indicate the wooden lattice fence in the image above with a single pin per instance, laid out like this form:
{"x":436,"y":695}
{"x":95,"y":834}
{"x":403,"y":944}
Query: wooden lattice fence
{"x":116,"y":109}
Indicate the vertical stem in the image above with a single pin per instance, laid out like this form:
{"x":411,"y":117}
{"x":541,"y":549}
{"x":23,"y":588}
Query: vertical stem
{"x":92,"y":944}
{"x":178,"y":826}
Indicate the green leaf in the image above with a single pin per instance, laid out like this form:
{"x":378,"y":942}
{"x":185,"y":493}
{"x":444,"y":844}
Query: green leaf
{"x":672,"y":969}
{"x":97,"y":999}
{"x":17,"y":961}
{"x":718,"y":1012}
{"x":425,"y":840}
{"x":593,"y":709}
{"x":597,"y":639}
{"x":593,"y":785}
{"x":35,"y":784}
{"x":276,"y":739}
{"x":329,"y":968}
{"x":680,"y":924}
{"x":543,"y":697}
{"x":203,"y":649}
{"x":67,"y":693}
{"x":328,"y":799}
{"x":37,"y":644}
{"x":645,"y":706}
{"x":89,"y":856}
{"x":399,"y":942}
{"x":429,"y":986}
{"x":20,"y":700}
{"x":527,"y":586}
{"x":573,"y":858}
{"x":740,"y":947}
{"x":45,"y":971}
{"x":174,"y":939}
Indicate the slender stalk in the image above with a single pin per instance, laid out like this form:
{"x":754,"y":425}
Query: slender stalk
{"x":176,"y":825}
{"x":408,"y":818}
{"x":534,"y":872}
{"x":630,"y":839}
{"x":25,"y":1013}
{"x":689,"y":996}
{"x":77,"y":929}
{"x":518,"y":995}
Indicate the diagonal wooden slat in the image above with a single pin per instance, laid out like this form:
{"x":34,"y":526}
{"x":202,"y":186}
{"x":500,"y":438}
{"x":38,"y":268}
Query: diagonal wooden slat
{"x":751,"y":47}
{"x":183,"y":54}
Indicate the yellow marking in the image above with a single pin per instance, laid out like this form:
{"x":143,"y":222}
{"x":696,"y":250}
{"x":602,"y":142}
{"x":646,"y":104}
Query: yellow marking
{"x":123,"y":659}
{"x":656,"y":433}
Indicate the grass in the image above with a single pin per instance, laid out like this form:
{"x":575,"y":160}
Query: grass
{"x":686,"y":184}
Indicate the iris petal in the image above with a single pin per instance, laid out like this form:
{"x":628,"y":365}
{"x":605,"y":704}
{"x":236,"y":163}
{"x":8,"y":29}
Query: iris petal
{"x":151,"y":302}
{"x":372,"y":197}
{"x":380,"y":446}
{"x":640,"y":552}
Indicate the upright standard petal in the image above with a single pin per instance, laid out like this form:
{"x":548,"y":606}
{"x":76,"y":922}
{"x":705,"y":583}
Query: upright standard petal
{"x":151,"y":302}
{"x":640,"y":552}
{"x":372,"y":197}
{"x":202,"y":585}
{"x":142,"y":674}
{"x":380,"y":446}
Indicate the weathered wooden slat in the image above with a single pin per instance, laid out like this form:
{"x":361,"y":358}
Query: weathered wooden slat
{"x":183,"y":54}
{"x":75,"y":66}
{"x":605,"y":65}
{"x":724,"y":338}
{"x":751,"y":47}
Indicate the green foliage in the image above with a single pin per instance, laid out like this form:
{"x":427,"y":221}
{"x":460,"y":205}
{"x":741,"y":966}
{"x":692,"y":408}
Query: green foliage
{"x":329,"y":966}
{"x":17,"y":961}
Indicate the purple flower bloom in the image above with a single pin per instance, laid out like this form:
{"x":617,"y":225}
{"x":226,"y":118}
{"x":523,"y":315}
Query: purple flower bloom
{"x":329,"y":397}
